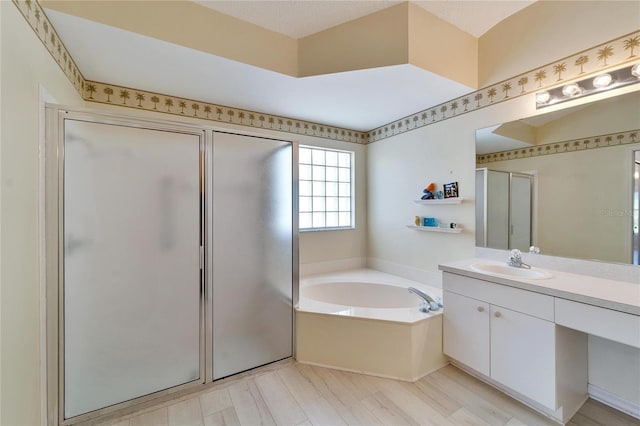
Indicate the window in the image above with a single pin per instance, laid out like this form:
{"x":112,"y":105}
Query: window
{"x":326,"y":188}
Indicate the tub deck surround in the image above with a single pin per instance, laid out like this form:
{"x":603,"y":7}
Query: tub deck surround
{"x":399,"y":342}
{"x":604,"y":293}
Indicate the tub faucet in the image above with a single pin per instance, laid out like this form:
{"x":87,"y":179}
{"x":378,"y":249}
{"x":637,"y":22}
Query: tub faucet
{"x":428,"y":303}
{"x":515,"y":260}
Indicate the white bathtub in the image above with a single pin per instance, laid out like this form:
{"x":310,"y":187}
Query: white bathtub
{"x":367,"y":321}
{"x":364,"y":293}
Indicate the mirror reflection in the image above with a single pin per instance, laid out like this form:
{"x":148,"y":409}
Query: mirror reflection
{"x":565,"y":182}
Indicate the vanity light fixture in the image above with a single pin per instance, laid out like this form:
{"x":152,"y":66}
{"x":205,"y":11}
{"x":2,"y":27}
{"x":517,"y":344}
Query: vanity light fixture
{"x":543,"y":97}
{"x":588,"y":86}
{"x":572,"y":90}
{"x":603,"y":80}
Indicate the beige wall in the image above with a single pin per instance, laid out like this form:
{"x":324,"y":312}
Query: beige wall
{"x":440,"y":47}
{"x":401,"y":166}
{"x":375,"y":40}
{"x":26,"y":66}
{"x":550,"y":30}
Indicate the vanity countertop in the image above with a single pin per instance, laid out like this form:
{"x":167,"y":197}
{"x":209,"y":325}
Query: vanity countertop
{"x":617,"y":295}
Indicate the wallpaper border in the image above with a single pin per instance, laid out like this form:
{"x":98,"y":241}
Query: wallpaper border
{"x":574,"y":145}
{"x":604,"y":56}
{"x":113,"y":94}
{"x":41,"y":25}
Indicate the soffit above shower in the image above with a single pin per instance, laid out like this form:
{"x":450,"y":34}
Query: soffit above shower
{"x":357,"y":75}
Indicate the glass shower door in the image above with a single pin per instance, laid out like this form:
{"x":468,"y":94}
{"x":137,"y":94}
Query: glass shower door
{"x":252,"y":252}
{"x":132,"y":278}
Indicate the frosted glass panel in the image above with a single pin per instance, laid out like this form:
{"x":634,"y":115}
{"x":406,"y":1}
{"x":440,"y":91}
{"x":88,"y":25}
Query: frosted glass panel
{"x":480,"y":206}
{"x":305,"y":172}
{"x":497,"y":210}
{"x":331,"y":158}
{"x":520,"y":213}
{"x":131,"y":263}
{"x":252,"y":252}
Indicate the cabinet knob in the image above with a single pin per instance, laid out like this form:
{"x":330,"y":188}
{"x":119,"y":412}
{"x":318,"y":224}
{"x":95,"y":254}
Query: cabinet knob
{"x":480,"y":309}
{"x":497,"y":315}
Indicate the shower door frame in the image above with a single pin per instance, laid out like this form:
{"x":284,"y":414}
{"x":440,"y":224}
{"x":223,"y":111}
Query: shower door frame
{"x":52,"y":238}
{"x":54,"y":243}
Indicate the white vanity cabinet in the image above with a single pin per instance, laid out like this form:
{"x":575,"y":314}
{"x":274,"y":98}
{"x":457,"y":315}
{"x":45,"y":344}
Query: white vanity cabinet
{"x":509,"y":336}
{"x":523,"y":355}
{"x":466,"y":331}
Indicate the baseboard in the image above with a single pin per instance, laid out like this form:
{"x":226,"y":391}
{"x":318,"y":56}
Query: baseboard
{"x":423,"y":276}
{"x":368,"y":373}
{"x":614,"y":401}
{"x":307,"y":269}
{"x":551,"y":415}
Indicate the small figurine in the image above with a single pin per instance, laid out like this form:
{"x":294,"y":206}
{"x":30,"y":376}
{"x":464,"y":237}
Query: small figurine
{"x":428,"y":192}
{"x":417,"y":220}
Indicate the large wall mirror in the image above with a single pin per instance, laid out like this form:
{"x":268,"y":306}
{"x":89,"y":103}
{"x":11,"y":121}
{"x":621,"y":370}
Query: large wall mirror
{"x":584,"y":166}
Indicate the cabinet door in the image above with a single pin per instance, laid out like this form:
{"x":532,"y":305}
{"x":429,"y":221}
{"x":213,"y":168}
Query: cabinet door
{"x":466,"y":331}
{"x":523,"y":354}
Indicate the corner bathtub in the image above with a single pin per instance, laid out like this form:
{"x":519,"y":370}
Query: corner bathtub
{"x":367,"y":322}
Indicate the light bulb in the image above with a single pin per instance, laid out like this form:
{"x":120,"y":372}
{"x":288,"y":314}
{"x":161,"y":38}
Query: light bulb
{"x":543,"y":98}
{"x":571,"y":90}
{"x":603,"y":80}
{"x":635,"y":70}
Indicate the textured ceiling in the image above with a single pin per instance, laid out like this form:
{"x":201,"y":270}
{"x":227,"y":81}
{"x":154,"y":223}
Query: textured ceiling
{"x":300,"y":18}
{"x":474,"y":17}
{"x":297,"y":18}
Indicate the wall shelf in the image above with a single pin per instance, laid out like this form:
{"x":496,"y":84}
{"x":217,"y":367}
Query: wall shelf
{"x":440,"y":201}
{"x":436,"y":229}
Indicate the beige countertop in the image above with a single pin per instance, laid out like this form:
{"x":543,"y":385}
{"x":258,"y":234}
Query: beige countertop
{"x":617,"y":295}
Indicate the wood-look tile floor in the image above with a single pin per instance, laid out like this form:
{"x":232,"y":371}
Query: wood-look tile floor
{"x":296,"y":394}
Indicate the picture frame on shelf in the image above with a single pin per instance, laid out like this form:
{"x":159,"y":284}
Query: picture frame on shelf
{"x":451,"y":190}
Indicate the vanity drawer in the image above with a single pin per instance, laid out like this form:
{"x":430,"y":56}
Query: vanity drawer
{"x":530,"y":303}
{"x":606,"y":323}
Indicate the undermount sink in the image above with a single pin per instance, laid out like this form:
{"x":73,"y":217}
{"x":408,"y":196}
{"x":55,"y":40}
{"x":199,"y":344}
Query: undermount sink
{"x":510,"y":271}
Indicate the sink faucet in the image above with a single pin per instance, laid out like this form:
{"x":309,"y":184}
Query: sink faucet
{"x":515,"y":260}
{"x":428,"y":303}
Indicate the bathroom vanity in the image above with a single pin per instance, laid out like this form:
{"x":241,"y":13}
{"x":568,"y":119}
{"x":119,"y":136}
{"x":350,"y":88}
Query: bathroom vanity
{"x":526,"y":332}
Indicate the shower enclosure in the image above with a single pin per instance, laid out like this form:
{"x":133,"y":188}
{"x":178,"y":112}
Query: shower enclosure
{"x":503,"y":209}
{"x":171,"y":258}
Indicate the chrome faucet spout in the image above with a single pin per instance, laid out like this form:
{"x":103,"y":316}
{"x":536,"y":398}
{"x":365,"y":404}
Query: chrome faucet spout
{"x":429,"y":303}
{"x":515,"y":260}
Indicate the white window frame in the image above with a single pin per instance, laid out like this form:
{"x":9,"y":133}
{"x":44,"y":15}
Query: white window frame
{"x":305,"y":208}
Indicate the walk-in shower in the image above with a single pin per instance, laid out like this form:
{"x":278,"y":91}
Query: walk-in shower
{"x":171,"y":258}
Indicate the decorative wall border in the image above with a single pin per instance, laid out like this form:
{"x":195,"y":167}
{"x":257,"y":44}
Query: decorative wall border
{"x":41,"y":25}
{"x":113,"y":94}
{"x":140,"y":99}
{"x":599,"y":58}
{"x":594,"y":142}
